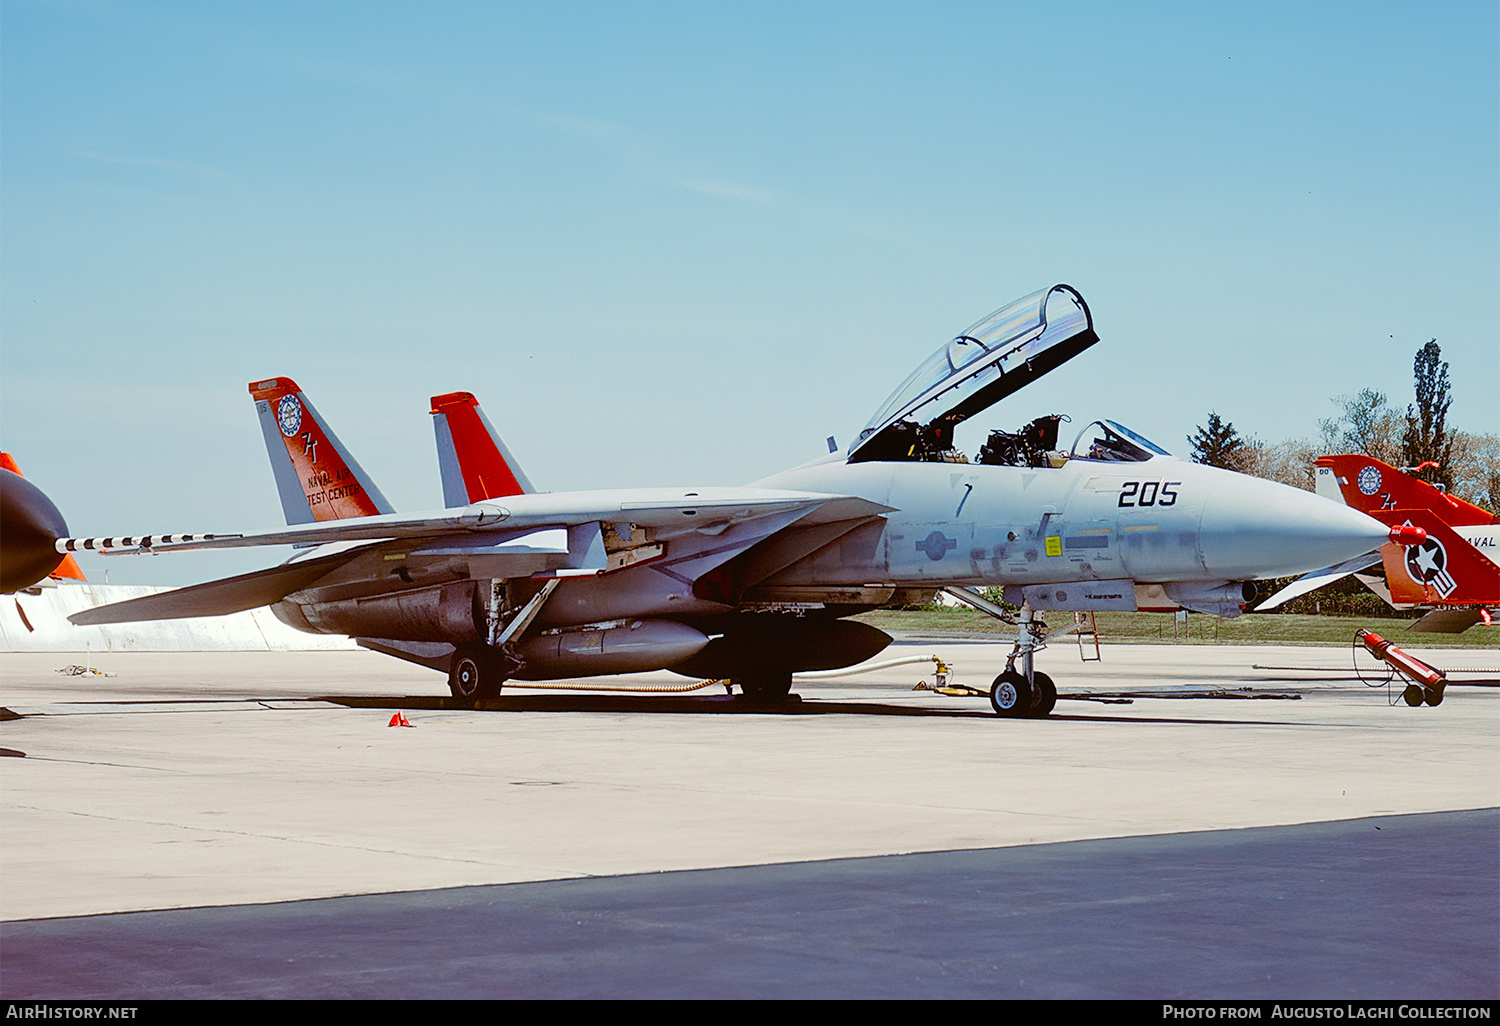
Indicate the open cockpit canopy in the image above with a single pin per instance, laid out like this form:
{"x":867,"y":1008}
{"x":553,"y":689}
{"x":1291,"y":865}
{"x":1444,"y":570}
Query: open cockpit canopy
{"x":1114,"y":442}
{"x":1010,"y":348}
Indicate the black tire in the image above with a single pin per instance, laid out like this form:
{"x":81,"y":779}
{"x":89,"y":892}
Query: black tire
{"x":766,"y":685}
{"x":474,"y":674}
{"x":1045,"y":696}
{"x":1412,"y":694}
{"x":1010,"y":695}
{"x":1434,"y":696}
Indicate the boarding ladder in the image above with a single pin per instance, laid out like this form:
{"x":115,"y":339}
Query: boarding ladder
{"x":1085,"y":627}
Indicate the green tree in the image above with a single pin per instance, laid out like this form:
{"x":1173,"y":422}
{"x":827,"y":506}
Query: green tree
{"x":1290,"y":462}
{"x":1426,"y":437}
{"x":1474,"y":468}
{"x":1218,"y":444}
{"x":1367,"y":425}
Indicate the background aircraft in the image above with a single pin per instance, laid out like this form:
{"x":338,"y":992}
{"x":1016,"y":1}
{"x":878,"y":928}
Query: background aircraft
{"x":1452,"y":572}
{"x":754,"y":583}
{"x":29,"y":523}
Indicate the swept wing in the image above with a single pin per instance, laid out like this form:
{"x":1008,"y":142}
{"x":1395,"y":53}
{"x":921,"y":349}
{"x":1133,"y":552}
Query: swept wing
{"x":529,"y":535}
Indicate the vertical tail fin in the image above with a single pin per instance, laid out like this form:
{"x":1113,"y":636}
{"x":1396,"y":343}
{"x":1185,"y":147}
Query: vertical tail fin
{"x":1379,"y":489}
{"x":315,"y":475}
{"x":473,"y":461}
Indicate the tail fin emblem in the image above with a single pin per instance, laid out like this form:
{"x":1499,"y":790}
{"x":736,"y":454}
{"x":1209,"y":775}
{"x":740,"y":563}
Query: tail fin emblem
{"x":1427,"y":563}
{"x":316,"y":477}
{"x":289,"y":415}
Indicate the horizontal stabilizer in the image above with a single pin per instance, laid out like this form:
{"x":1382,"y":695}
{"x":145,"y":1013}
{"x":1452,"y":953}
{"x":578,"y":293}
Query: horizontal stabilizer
{"x":218,"y":598}
{"x":1319,"y":578}
{"x":553,"y":550}
{"x":552,"y":540}
{"x":1448,"y":621}
{"x":1375,"y":583}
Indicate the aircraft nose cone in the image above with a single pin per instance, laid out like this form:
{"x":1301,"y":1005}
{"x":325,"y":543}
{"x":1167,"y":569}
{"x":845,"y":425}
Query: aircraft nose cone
{"x":29,"y":525}
{"x":1253,"y":528}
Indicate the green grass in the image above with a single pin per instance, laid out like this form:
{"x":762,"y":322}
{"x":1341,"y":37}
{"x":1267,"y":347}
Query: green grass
{"x":1200,"y":629}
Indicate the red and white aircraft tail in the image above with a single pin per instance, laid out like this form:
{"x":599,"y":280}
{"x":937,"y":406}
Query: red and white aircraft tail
{"x":1456,"y":569}
{"x":1447,"y":571}
{"x":1379,"y":489}
{"x":474,"y":462}
{"x":316,"y":476}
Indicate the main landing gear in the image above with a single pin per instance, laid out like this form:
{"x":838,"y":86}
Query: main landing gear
{"x":766,"y":685}
{"x":478,"y":671}
{"x":1024,"y":692}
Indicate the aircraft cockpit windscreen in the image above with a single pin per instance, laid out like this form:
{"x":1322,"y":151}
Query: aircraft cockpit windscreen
{"x":1109,"y":441}
{"x":986,"y":362}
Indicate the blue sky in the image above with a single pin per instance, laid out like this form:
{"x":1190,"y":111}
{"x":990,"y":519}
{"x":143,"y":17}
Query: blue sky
{"x":683,"y":243}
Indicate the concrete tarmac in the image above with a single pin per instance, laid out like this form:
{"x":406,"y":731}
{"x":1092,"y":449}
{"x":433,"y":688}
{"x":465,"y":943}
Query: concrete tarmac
{"x":1184,"y":825}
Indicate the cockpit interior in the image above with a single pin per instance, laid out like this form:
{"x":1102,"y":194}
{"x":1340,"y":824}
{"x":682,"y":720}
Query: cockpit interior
{"x":1033,"y":445}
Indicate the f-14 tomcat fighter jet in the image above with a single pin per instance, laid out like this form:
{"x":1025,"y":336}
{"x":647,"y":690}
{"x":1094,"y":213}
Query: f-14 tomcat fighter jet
{"x":753,"y":584}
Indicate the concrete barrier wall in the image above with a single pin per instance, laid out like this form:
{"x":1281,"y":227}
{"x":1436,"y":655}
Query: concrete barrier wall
{"x":39,"y":623}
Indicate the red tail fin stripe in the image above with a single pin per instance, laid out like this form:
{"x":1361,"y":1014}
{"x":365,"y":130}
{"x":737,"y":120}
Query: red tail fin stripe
{"x":331,"y":487}
{"x":486,"y":474}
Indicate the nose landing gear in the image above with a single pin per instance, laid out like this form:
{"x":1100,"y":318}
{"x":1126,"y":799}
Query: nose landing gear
{"x":1012,"y":695}
{"x":1024,"y":692}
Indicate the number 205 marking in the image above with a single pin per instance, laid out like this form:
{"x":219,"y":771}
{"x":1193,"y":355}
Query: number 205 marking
{"x":1149,"y":493}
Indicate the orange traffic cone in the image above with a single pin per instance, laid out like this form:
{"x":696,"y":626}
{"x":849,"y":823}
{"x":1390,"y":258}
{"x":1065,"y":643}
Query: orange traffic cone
{"x":398,"y":720}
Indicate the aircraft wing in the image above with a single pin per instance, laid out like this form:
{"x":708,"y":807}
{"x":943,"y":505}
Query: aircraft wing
{"x":1318,"y":578}
{"x":217,"y":598}
{"x":529,"y":534}
{"x":667,"y":512}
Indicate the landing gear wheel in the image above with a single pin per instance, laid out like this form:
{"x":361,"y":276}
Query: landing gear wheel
{"x":1010,"y":695}
{"x":1412,"y":694}
{"x":766,"y":685}
{"x":474,"y":674}
{"x":1434,"y":696}
{"x":1045,"y":698}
